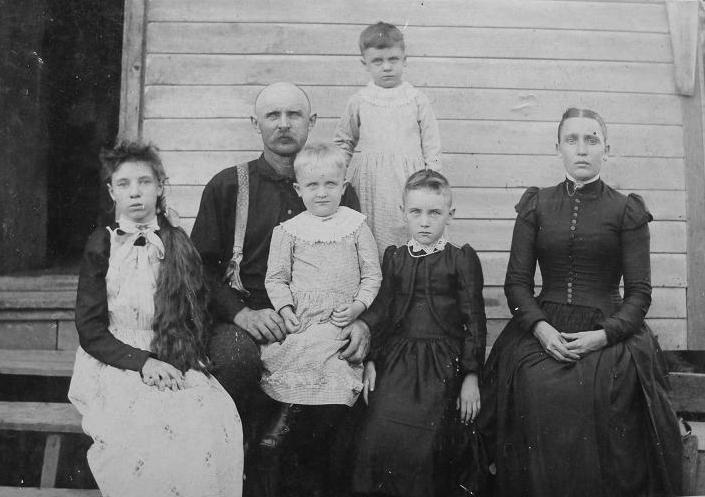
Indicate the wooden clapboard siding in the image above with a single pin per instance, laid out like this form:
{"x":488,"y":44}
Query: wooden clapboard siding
{"x":304,"y":39}
{"x":459,"y":136}
{"x":498,"y":73}
{"x":448,"y":103}
{"x":485,"y":13}
{"x":335,"y":70}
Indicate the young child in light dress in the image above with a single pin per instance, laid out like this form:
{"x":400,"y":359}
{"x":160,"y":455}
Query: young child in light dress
{"x":392,"y":125}
{"x":428,"y":346}
{"x":161,"y":425}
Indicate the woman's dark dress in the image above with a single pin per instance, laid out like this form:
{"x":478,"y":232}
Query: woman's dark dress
{"x":601,"y":426}
{"x":428,"y":330}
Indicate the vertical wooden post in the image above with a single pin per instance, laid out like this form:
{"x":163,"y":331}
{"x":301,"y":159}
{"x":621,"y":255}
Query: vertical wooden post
{"x":694,"y":147}
{"x":133,"y":61}
{"x":52,"y":449}
{"x":683,"y":25}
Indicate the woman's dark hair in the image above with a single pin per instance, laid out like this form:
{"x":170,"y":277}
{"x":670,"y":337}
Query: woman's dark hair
{"x":181,"y":318}
{"x":590,"y":114}
{"x":133,"y":151}
{"x":428,"y":179}
{"x":381,"y":35}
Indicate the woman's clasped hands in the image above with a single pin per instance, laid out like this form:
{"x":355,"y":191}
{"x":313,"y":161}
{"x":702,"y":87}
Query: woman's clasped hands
{"x":162,"y":375}
{"x":568,"y":347}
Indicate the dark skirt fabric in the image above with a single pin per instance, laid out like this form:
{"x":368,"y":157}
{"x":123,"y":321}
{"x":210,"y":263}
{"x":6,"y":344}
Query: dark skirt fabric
{"x":403,"y":445}
{"x":602,"y":426}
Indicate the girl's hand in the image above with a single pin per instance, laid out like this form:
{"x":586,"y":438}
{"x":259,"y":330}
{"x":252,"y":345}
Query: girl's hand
{"x":291,"y":322}
{"x":468,"y":402}
{"x":553,"y":343}
{"x":346,"y":314}
{"x":369,"y":378}
{"x":162,"y":375}
{"x":584,"y":342}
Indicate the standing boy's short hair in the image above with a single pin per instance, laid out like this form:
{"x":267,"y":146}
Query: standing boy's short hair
{"x":381,"y":35}
{"x":317,"y":153}
{"x":428,"y":179}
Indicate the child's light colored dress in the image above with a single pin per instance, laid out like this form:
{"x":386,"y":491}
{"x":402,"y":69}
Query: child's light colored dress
{"x":149,"y":442}
{"x":396,"y":134}
{"x":315,"y":265}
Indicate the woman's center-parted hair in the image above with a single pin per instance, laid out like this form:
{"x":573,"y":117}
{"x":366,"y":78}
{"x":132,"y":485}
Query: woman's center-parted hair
{"x":319,"y":154}
{"x":381,"y":35}
{"x":429,"y":180}
{"x":587,"y":113}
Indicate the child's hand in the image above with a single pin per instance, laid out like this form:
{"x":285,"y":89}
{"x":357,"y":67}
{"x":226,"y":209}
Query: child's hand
{"x":291,"y":322}
{"x":345,"y":314}
{"x":468,"y":402}
{"x":162,"y":375}
{"x":369,"y":378}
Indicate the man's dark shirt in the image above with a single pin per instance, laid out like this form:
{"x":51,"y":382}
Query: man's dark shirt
{"x":272,"y":201}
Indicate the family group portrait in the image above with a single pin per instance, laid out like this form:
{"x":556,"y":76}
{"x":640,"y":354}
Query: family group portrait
{"x":400,"y":248}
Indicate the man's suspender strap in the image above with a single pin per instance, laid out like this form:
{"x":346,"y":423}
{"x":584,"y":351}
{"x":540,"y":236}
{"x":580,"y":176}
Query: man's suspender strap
{"x":232,"y":273}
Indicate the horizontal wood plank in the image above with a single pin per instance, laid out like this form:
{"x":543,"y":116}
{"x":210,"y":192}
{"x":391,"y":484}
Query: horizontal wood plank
{"x":63,"y":299}
{"x":688,"y":392}
{"x":39,"y":282}
{"x":213,"y":69}
{"x":496,"y":235}
{"x":37,"y":362}
{"x":448,"y":103}
{"x":67,"y":336}
{"x":472,"y":203}
{"x":305,"y":39}
{"x":477,"y":13}
{"x":28,"y":334}
{"x":479,"y":137}
{"x":40,"y":416}
{"x":481,"y":170}
{"x":47,"y":492}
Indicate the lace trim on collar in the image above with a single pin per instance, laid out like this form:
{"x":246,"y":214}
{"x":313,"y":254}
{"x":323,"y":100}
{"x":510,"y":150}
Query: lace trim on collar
{"x":309,"y":228}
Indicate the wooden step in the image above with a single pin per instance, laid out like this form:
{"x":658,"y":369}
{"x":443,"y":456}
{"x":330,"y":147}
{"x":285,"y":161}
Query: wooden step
{"x":37,"y":299}
{"x":688,"y":392}
{"x":39,"y":282}
{"x":50,"y":417}
{"x":37,"y":362}
{"x":46,"y":492}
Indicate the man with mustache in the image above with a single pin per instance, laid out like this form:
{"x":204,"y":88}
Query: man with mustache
{"x":245,"y":318}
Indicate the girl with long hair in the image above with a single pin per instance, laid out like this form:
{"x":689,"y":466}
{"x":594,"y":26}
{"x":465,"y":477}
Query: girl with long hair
{"x":161,"y":425}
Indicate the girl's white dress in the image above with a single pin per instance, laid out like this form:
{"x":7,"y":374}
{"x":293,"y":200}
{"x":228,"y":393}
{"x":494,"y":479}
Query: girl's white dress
{"x":315,"y":265}
{"x":147,"y":442}
{"x":396,"y":134}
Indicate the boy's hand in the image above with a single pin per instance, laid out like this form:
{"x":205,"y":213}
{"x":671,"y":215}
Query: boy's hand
{"x":468,"y":402}
{"x":291,"y":322}
{"x":346,"y":314}
{"x":162,"y":375}
{"x":369,"y":378}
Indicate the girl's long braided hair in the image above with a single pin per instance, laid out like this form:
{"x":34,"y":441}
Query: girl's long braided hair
{"x":181,"y":319}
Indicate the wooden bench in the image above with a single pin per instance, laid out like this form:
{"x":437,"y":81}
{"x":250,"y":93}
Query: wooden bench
{"x":688,"y":398}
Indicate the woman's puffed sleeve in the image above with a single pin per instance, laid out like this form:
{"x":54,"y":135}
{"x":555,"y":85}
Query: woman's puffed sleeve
{"x":472,"y":309}
{"x":636,"y":267}
{"x":92,"y":309}
{"x":430,"y":135}
{"x":377,"y":317}
{"x":519,"y":281}
{"x":347,"y":132}
{"x":368,"y":261}
{"x":278,"y":278}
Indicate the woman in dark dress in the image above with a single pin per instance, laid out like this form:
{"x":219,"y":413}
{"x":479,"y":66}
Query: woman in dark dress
{"x":574,"y":392}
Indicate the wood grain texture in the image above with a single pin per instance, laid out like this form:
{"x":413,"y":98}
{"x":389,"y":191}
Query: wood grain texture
{"x":481,"y":170}
{"x":305,"y":39}
{"x":47,"y":492}
{"x":133,"y":55}
{"x":477,"y":13}
{"x":186,"y":69}
{"x":448,"y":103}
{"x":37,"y":362}
{"x":40,"y":416}
{"x":687,"y":392}
{"x":683,"y":22}
{"x":477,"y":137}
{"x":28,"y":335}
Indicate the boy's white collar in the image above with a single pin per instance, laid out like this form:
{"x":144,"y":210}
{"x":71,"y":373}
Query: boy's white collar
{"x":416,"y":246}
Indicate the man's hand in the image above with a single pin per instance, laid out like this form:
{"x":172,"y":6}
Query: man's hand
{"x":345,"y":314}
{"x":264,"y":326}
{"x":358,"y":336}
{"x":162,"y":375}
{"x":553,"y":343}
{"x":291,"y":322}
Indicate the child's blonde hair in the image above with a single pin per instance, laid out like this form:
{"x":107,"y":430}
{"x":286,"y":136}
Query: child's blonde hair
{"x":315,"y":154}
